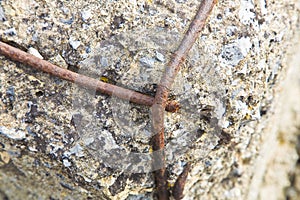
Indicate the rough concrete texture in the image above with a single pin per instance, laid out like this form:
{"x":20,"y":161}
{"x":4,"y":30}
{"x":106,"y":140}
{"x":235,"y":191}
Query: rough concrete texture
{"x":277,"y":167}
{"x":239,"y":120}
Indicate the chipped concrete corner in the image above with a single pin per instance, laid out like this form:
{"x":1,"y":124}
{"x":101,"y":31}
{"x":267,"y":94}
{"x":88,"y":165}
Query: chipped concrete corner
{"x":59,"y":141}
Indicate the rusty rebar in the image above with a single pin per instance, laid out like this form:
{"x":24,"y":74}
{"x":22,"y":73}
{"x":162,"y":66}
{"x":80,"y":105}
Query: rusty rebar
{"x":178,"y":188}
{"x":160,"y":101}
{"x":105,"y":88}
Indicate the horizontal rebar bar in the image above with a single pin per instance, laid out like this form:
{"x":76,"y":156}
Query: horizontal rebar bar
{"x":105,"y":88}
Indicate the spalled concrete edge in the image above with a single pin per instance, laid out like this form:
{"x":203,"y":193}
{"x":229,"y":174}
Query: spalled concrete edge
{"x":278,"y":156}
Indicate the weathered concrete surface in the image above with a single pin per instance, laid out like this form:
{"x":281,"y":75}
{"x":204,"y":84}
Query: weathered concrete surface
{"x":277,"y":167}
{"x":56,"y":138}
